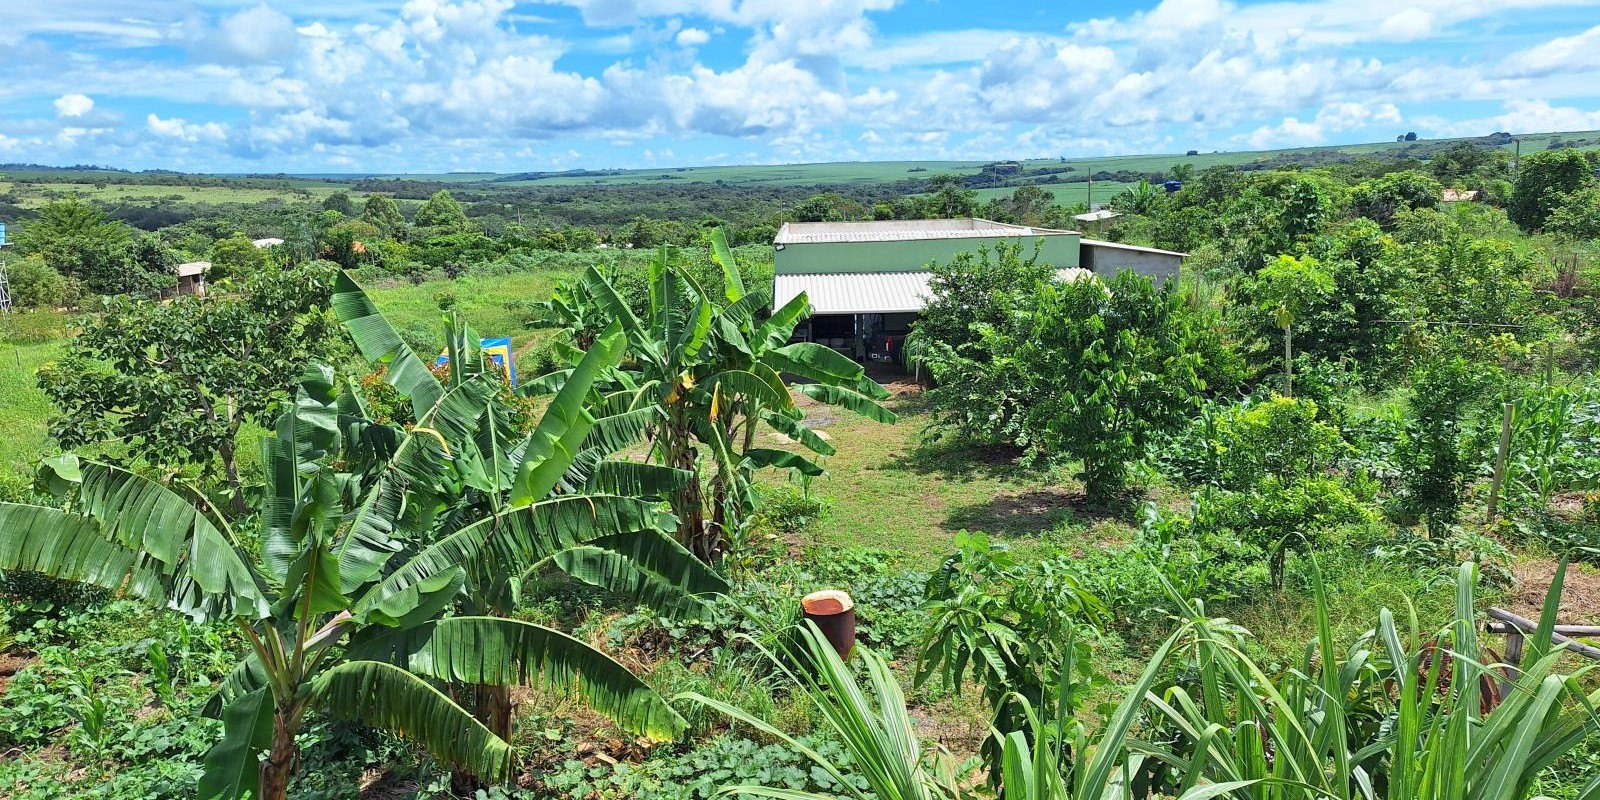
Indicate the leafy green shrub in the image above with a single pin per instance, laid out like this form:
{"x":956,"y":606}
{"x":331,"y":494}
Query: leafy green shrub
{"x":34,"y":284}
{"x":695,"y":774}
{"x":1434,"y":448}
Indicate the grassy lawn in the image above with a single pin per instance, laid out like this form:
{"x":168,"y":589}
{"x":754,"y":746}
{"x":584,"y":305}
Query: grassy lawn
{"x":27,"y":341}
{"x":900,"y":488}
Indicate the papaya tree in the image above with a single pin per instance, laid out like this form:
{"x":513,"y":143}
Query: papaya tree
{"x":346,"y":603}
{"x":711,"y":372}
{"x":466,"y":469}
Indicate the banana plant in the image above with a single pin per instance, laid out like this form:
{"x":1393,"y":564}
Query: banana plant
{"x":466,"y":471}
{"x":339,"y":620}
{"x":712,"y":370}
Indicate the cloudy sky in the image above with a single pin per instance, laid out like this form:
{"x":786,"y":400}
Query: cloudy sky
{"x":442,"y":85}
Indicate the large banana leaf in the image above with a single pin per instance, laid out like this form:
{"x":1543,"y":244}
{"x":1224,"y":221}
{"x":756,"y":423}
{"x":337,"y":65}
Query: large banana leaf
{"x":779,"y":327}
{"x":635,"y":479}
{"x":732,"y":281}
{"x":73,"y":547}
{"x":797,"y":430}
{"x":566,"y":423}
{"x":848,"y":398}
{"x":203,"y":572}
{"x":232,"y":765}
{"x":499,"y":651}
{"x":380,"y":343}
{"x":386,"y":696}
{"x":514,"y":542}
{"x":815,"y":362}
{"x":648,"y":568}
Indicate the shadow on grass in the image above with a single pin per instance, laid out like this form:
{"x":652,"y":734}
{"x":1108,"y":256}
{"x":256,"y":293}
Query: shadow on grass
{"x":952,"y":457}
{"x":1033,"y":512}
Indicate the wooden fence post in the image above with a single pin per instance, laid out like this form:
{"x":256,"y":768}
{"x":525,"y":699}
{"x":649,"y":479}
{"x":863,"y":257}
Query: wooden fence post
{"x":1500,"y":464}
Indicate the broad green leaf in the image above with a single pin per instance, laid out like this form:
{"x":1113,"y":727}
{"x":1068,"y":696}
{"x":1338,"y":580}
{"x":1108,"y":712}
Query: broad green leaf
{"x":565,"y":425}
{"x":849,"y":399}
{"x":380,"y":343}
{"x":648,"y":568}
{"x":385,"y":696}
{"x":499,"y":651}
{"x":782,"y":459}
{"x":233,"y":765}
{"x":733,"y":283}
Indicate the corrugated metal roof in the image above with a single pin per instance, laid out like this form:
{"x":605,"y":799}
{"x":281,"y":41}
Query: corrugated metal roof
{"x":871,"y":292}
{"x":856,"y":293}
{"x":192,"y":268}
{"x":1121,"y":246}
{"x":903,"y":230}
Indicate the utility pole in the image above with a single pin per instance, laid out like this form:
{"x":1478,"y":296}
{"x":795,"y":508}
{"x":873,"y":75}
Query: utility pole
{"x":1516,"y":160}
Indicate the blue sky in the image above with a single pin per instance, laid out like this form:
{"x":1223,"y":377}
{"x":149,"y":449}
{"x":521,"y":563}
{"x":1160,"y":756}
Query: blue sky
{"x":500,"y":85}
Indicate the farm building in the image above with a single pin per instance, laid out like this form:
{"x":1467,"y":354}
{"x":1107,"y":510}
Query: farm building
{"x":868,"y":281}
{"x":192,"y":277}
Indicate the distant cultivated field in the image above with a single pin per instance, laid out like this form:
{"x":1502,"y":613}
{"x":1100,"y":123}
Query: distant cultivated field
{"x":102,"y":185}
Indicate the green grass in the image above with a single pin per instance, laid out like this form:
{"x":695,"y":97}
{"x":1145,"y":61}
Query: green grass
{"x":27,"y":341}
{"x":898,"y":487}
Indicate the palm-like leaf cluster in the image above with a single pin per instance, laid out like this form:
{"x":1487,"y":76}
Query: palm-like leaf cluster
{"x":379,"y":551}
{"x":711,"y":372}
{"x":1395,"y":717}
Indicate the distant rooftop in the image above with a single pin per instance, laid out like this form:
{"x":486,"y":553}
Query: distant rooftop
{"x":904,"y":230}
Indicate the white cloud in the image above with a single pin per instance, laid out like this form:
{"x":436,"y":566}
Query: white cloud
{"x":1407,"y":25}
{"x":1564,"y":54}
{"x":1330,"y":119}
{"x":257,"y":34}
{"x":73,"y":105}
{"x":1521,"y":116}
{"x":175,"y":128}
{"x":692,"y":37}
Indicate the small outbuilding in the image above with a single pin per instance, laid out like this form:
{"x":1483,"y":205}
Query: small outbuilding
{"x":868,"y":281}
{"x":262,"y":244}
{"x":192,"y":277}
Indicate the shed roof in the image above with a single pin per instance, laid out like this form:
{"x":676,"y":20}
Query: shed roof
{"x":904,"y":230}
{"x":271,"y":241}
{"x":871,"y":292}
{"x":1134,"y":247}
{"x":192,"y":268}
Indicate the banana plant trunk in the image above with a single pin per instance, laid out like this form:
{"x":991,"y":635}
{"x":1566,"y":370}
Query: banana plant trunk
{"x":688,"y":503}
{"x":280,"y":763}
{"x":492,"y":705}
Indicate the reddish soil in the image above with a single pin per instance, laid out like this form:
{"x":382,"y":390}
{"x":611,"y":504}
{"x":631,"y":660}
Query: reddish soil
{"x":10,"y":665}
{"x":1580,"y":594}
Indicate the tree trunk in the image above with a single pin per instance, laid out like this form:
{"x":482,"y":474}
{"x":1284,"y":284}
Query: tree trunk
{"x":492,"y":705}
{"x":230,"y":468}
{"x":1288,"y":361}
{"x":689,"y":502}
{"x":280,"y":763}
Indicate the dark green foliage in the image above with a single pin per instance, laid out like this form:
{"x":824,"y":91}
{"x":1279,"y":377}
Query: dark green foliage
{"x":75,"y":239}
{"x":441,"y":211}
{"x":1106,"y":366}
{"x":381,"y":212}
{"x":1381,"y":198}
{"x":235,"y":257}
{"x":220,"y":362}
{"x":35,"y":284}
{"x":1445,"y":389}
{"x":1545,"y":179}
{"x":1008,"y":627}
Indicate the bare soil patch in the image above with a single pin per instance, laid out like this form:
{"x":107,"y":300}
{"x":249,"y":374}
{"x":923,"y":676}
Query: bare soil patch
{"x":10,"y":665}
{"x":1580,"y":594}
